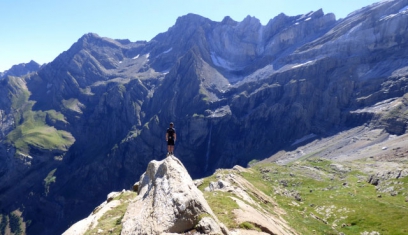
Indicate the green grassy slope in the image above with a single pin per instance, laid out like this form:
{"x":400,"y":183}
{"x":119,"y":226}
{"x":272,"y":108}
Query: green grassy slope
{"x":320,"y":199}
{"x":31,"y":129}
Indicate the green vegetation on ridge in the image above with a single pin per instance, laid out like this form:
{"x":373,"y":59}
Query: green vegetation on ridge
{"x":321,"y":198}
{"x":48,"y":180}
{"x":328,"y":201}
{"x":111,"y":221}
{"x":31,"y":128}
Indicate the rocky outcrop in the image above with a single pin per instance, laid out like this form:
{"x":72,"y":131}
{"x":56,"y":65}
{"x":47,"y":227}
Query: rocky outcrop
{"x":169,"y":202}
{"x":375,"y":179}
{"x":247,"y":197}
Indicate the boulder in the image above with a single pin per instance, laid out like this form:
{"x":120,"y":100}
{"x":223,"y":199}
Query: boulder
{"x":220,"y":184}
{"x":112,"y":195}
{"x":340,"y":168}
{"x":169,"y":202}
{"x":375,"y":179}
{"x":208,"y":226}
{"x":136,"y":187}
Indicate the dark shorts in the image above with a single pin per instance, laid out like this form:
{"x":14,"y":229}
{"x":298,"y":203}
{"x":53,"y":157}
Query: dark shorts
{"x":170,"y":142}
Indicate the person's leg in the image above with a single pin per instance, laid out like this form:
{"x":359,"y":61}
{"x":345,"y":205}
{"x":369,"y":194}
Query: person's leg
{"x":170,"y":145}
{"x":168,"y":149}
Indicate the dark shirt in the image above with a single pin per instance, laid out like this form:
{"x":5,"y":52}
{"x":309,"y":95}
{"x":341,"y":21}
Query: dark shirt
{"x":170,"y":133}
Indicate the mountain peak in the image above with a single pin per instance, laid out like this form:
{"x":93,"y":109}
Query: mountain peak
{"x":191,"y":19}
{"x":229,"y":21}
{"x":250,"y":18}
{"x":250,"y":21}
{"x":21,"y":69}
{"x":90,"y":36}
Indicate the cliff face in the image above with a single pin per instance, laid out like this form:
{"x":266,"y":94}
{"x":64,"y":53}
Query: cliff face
{"x":90,"y":121}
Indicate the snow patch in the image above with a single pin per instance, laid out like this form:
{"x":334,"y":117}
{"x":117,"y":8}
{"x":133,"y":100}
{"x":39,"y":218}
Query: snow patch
{"x":120,"y":62}
{"x":221,"y":112}
{"x":387,"y":17}
{"x":165,"y":71}
{"x":168,"y":50}
{"x":304,"y":138}
{"x":136,"y":57}
{"x":221,"y":62}
{"x":147,"y":55}
{"x":403,"y":10}
{"x":308,"y":19}
{"x":300,"y":65}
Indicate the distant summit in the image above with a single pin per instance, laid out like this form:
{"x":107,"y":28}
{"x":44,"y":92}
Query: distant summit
{"x":21,"y":69}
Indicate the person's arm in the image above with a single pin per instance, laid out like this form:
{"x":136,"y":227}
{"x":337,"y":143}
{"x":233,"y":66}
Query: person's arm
{"x":167,"y":136}
{"x":175,"y":136}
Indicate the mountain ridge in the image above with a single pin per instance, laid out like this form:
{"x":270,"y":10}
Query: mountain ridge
{"x":236,"y":91}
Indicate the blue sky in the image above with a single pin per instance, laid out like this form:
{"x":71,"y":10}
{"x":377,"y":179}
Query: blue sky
{"x":40,"y":30}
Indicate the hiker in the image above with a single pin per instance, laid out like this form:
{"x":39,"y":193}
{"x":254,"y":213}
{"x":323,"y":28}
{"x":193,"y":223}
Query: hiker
{"x":171,"y":139}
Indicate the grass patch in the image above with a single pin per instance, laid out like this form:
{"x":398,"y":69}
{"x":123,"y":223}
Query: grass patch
{"x":111,"y":222}
{"x":249,"y":226}
{"x":222,"y":205}
{"x":253,"y":162}
{"x":18,"y":92}
{"x":330,"y":201}
{"x":73,"y":104}
{"x":56,"y":116}
{"x":49,"y":180}
{"x":32,"y":131}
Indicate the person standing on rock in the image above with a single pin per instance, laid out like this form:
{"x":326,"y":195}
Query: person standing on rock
{"x":170,"y":138}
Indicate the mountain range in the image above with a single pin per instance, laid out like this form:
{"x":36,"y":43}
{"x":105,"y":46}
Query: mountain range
{"x":88,"y":123}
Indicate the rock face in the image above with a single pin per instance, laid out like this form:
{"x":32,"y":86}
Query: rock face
{"x":241,"y":189}
{"x":91,"y":120}
{"x":168,"y":201}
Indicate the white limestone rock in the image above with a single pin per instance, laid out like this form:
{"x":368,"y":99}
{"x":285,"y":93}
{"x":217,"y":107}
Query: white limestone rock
{"x":168,"y":202}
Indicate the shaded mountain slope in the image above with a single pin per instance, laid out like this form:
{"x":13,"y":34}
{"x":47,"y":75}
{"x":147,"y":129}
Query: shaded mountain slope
{"x":89,"y":122}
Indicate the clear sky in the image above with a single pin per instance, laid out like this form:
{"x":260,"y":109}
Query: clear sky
{"x":42,"y":29}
